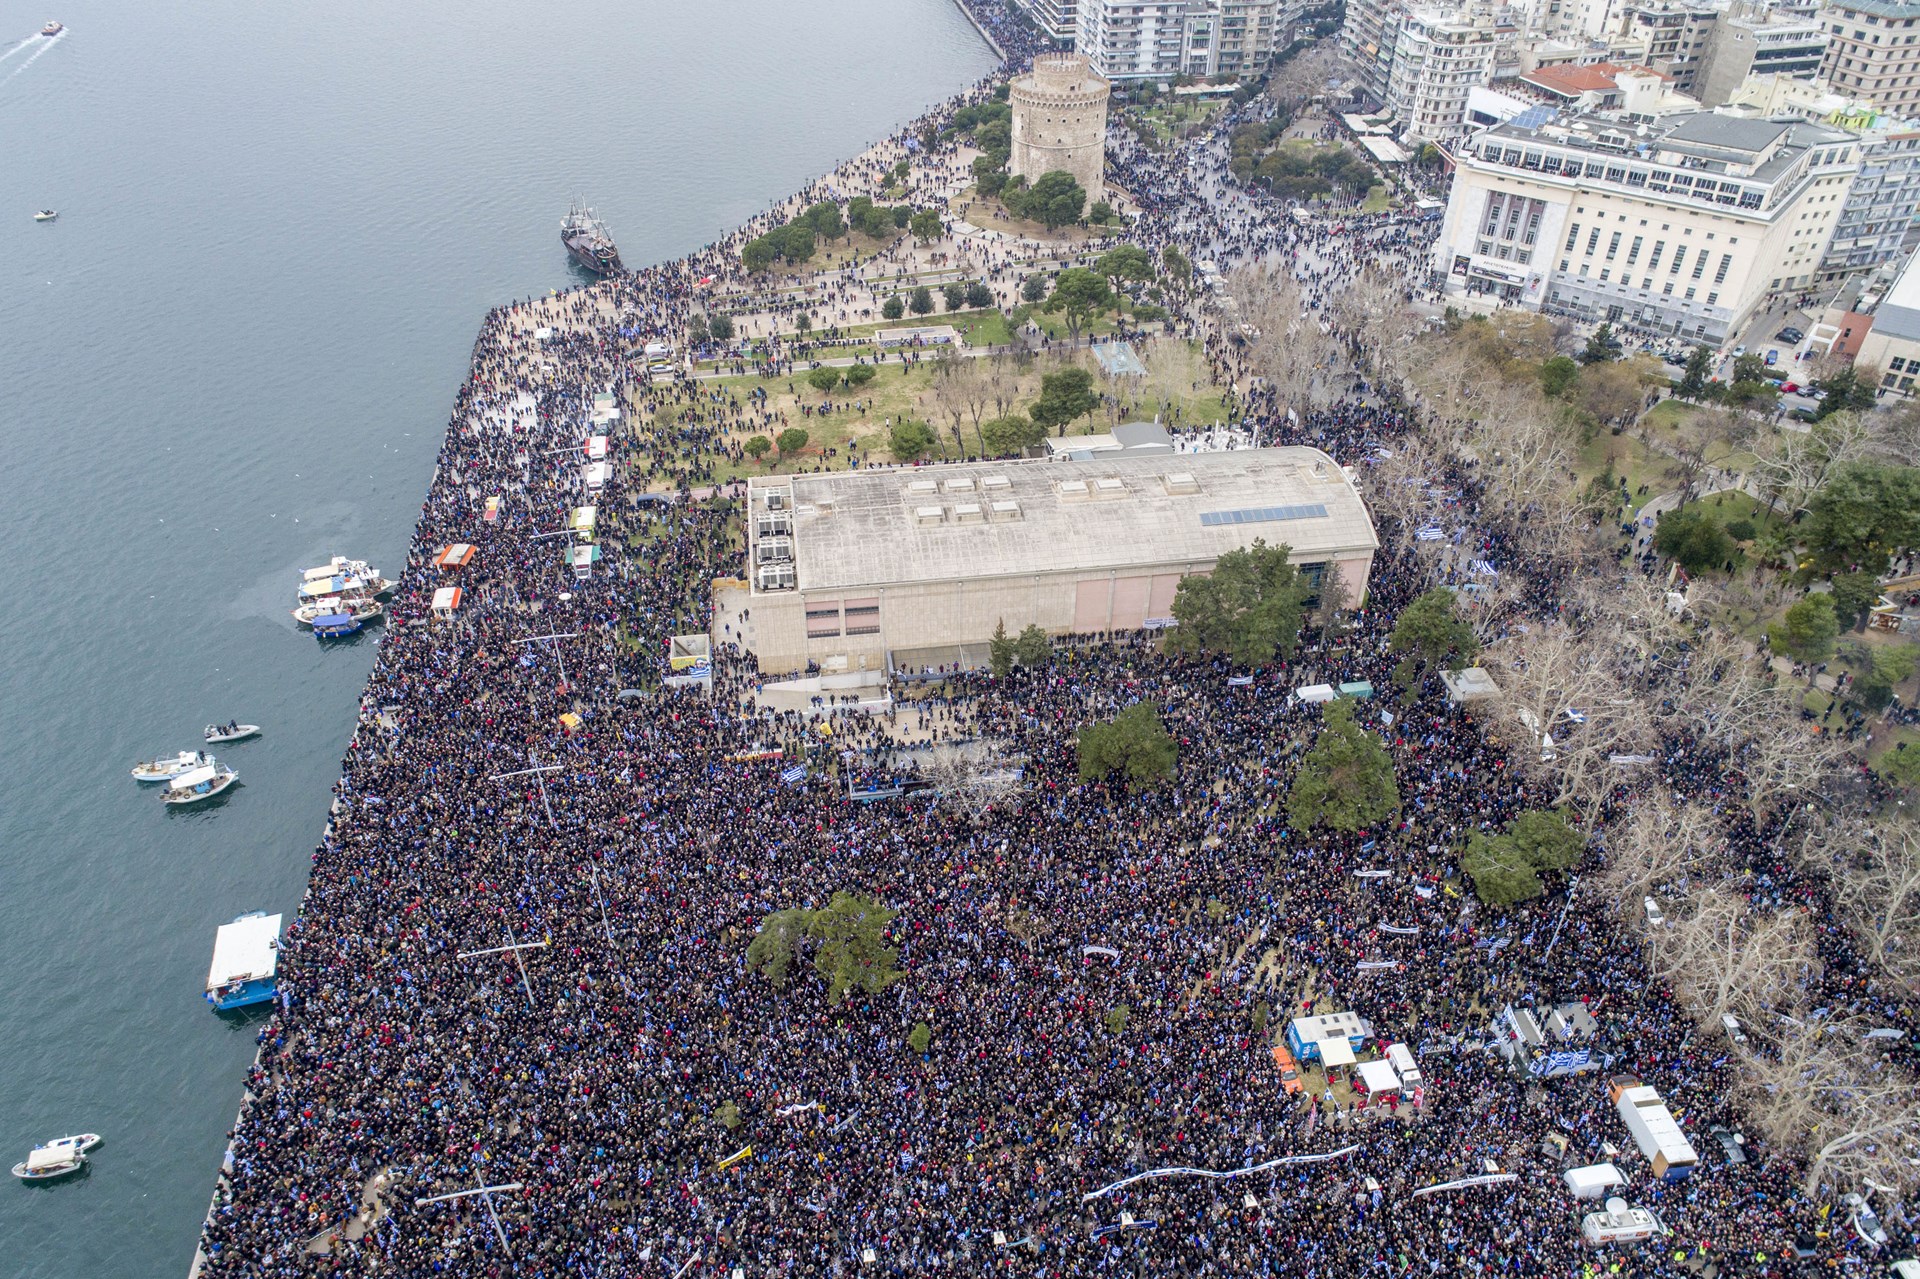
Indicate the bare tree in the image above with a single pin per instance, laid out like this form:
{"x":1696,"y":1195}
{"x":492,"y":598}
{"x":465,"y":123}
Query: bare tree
{"x":1305,"y":75}
{"x":1722,"y":955}
{"x":1877,"y":889}
{"x":1293,"y":349}
{"x":1661,"y":843}
{"x":1817,"y":1092}
{"x":1521,"y":443}
{"x":1790,"y":466}
{"x":1707,"y":435}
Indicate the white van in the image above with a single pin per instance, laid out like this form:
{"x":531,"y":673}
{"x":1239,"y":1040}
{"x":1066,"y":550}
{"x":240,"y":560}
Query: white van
{"x":1595,"y":1181}
{"x":1400,"y":1057}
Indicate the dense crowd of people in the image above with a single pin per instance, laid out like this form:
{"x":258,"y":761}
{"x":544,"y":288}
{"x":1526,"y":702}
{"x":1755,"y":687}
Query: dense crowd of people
{"x":662,"y":1110}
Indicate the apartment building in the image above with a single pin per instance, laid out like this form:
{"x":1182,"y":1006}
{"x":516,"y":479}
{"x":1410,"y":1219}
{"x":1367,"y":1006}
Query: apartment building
{"x":1367,"y":38}
{"x":1156,"y":39}
{"x":1676,"y":33}
{"x":1439,"y":56}
{"x":1873,"y":52}
{"x":1683,"y":226}
{"x":1058,"y":18}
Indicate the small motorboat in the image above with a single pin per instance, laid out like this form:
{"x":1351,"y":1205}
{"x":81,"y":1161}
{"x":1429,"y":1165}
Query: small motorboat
{"x":57,"y":1158}
{"x":168,"y":767}
{"x":201,"y":784}
{"x":218,"y":733}
{"x":46,"y":215}
{"x":333,"y":626}
{"x":52,"y":29}
{"x":362,"y":608}
{"x":340,"y":575}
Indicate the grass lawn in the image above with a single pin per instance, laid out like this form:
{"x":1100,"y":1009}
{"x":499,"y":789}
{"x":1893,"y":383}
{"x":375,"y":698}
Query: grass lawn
{"x":1627,"y":459}
{"x":1731,"y":507}
{"x":1377,"y":201}
{"x":990,"y":215}
{"x":862,"y":419}
{"x":1168,"y":119}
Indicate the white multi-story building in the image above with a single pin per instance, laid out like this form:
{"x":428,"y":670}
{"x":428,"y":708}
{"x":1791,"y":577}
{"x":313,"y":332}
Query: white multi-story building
{"x":1439,"y":56}
{"x":1157,"y":39}
{"x":1683,"y":226}
{"x":1058,"y":18}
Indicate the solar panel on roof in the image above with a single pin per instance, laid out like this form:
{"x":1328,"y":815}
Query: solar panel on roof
{"x":1533,"y":117}
{"x":1262,"y":515}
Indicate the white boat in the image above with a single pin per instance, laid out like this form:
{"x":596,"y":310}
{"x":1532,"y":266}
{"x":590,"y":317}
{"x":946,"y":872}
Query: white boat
{"x":246,"y":959}
{"x":218,"y":733}
{"x":352,"y":575}
{"x":203,"y":783}
{"x":168,"y":767}
{"x":57,"y":1158}
{"x":362,"y":608}
{"x":46,"y":215}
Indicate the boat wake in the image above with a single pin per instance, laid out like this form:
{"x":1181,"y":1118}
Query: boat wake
{"x":12,"y":49}
{"x":45,"y":43}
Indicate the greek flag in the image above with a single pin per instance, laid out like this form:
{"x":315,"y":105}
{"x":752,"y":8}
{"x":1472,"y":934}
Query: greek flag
{"x":1429,"y":533}
{"x":1578,"y":717}
{"x":701,"y":669}
{"x":798,"y":773}
{"x":1485,"y":567}
{"x":1239,"y":681}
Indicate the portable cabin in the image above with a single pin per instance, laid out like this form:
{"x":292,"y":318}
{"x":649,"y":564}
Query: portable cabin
{"x":1315,"y":693}
{"x":1595,"y":1181}
{"x":1306,"y":1034}
{"x":446,"y":601}
{"x":246,"y":959}
{"x":458,"y":555}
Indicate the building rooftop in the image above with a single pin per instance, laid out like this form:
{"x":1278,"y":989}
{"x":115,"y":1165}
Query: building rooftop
{"x":1569,"y":81}
{"x":1898,"y":314}
{"x":855,"y":529}
{"x":1878,"y":8}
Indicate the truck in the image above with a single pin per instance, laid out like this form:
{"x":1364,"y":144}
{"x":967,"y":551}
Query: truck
{"x":1656,"y":1132}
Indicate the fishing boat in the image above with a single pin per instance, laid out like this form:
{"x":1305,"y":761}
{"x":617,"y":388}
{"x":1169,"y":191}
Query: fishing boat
{"x":333,"y":626}
{"x":246,"y":959}
{"x":46,"y":215}
{"x":362,"y":608}
{"x":589,"y":241}
{"x":57,"y":1158}
{"x":168,"y":767}
{"x":52,"y":29}
{"x":221,"y":733}
{"x":200,"y":784}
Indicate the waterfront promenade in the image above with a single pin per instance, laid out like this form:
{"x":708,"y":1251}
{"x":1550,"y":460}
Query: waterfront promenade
{"x":520,"y":963}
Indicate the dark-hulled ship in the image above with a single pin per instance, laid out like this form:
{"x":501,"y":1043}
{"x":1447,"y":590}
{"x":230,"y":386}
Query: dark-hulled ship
{"x":586,"y":238}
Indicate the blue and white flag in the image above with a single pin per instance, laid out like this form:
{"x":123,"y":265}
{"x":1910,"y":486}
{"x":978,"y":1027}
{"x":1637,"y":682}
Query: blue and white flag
{"x":1486,"y":568}
{"x":798,"y":773}
{"x":1428,"y":533}
{"x":1239,"y":681}
{"x":1578,"y":717}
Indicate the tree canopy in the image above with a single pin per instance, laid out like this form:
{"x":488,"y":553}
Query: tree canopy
{"x":1863,"y":516}
{"x":1053,"y":201}
{"x":1346,"y":780}
{"x":1431,"y":630}
{"x":1133,"y":743}
{"x":1692,"y":538}
{"x":1065,"y":394}
{"x":1081,"y":294}
{"x":1807,"y":631}
{"x":1249,"y":609}
{"x":850,"y":948}
{"x":1506,"y":868}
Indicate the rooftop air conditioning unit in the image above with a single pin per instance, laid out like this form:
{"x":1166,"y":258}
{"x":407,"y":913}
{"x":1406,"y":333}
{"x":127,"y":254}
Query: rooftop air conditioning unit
{"x":962,"y":485}
{"x":991,"y":482}
{"x":928,"y":515}
{"x":1007,"y":510}
{"x":1180,"y":483}
{"x":967,"y":513}
{"x":777,"y":500}
{"x":1109,"y":486}
{"x":1074,"y":491}
{"x":923,"y":488}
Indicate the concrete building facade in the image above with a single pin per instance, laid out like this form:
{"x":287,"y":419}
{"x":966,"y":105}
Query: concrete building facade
{"x":1748,"y":42}
{"x":1873,"y":52}
{"x":1684,"y":226}
{"x":1060,"y":121}
{"x":1892,"y":344}
{"x":849,"y":570}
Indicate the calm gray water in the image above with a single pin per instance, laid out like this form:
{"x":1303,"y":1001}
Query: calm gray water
{"x":233,"y":355}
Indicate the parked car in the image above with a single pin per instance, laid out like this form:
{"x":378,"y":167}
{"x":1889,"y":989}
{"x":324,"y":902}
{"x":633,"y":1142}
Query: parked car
{"x":1732,"y":1145}
{"x":1803,"y":415}
{"x":1866,"y":1223}
{"x":1289,"y":1068}
{"x":1732,"y":1026}
{"x":1739,"y":351}
{"x":1788,"y":334}
{"x":1655,"y":915}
